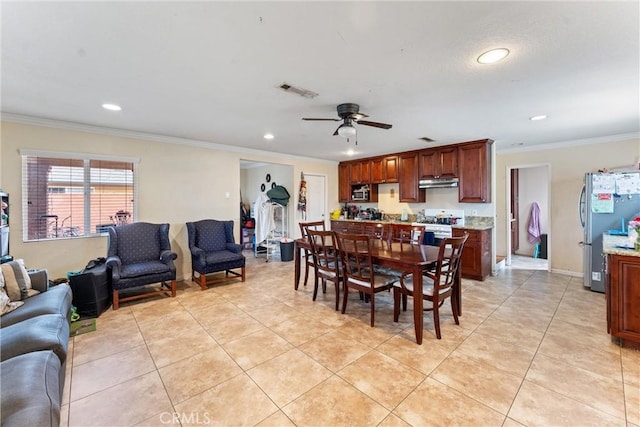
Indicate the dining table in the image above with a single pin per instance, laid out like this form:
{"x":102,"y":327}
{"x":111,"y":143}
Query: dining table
{"x":404,"y":257}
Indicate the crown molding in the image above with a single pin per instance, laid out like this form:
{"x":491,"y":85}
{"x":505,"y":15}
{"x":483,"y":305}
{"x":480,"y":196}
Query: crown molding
{"x":571,"y":143}
{"x":59,"y":124}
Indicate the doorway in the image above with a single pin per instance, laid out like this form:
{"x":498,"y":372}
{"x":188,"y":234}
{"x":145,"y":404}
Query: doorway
{"x":316,"y":208}
{"x":528,"y":185}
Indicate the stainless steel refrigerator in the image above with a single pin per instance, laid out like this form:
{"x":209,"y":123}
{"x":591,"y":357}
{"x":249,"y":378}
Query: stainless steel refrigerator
{"x":601,"y":213}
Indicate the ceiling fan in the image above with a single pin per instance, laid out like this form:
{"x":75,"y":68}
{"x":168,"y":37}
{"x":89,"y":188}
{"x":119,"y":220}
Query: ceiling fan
{"x":350,"y":114}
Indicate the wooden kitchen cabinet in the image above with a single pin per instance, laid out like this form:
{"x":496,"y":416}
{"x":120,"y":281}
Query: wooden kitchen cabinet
{"x":384,"y":170}
{"x":623,"y":299}
{"x":474,"y":168}
{"x":476,"y":254}
{"x":408,"y":174}
{"x":439,"y":163}
{"x":361,"y":172}
{"x":344,"y":183}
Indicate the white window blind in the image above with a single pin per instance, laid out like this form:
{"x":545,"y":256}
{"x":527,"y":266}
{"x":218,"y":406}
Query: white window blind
{"x":75,"y":197}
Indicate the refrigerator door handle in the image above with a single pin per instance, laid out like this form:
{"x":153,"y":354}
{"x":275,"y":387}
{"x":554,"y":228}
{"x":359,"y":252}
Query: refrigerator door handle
{"x":582,"y":205}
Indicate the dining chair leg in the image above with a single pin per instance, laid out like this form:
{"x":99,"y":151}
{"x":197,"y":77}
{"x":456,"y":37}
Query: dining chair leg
{"x":454,"y":309}
{"x":436,"y":318}
{"x":306,"y":267}
{"x":345,"y":297}
{"x":315,"y":286}
{"x":396,"y":304}
{"x":404,"y":302}
{"x":373,"y":308}
{"x":337,"y":294}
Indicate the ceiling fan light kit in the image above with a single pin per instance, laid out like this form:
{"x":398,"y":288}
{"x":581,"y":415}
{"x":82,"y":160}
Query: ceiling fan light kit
{"x":350,"y":115}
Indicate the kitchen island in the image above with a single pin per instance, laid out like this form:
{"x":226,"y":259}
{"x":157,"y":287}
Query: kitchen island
{"x":622,"y":291}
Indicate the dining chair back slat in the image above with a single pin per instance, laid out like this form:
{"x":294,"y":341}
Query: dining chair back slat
{"x":437,"y":283}
{"x":359,"y":271}
{"x":304,"y":231}
{"x":326,"y":261}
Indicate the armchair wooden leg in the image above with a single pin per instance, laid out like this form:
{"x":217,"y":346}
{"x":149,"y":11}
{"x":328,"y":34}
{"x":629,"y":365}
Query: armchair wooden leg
{"x":116,"y":302}
{"x":173,"y":288}
{"x":243,"y":276}
{"x":203,"y":282}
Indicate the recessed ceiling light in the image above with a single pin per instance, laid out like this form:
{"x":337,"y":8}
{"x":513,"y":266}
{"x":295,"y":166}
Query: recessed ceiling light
{"x":540,"y":117}
{"x":493,"y":55}
{"x":350,"y":152}
{"x":268,"y":136}
{"x":111,"y":107}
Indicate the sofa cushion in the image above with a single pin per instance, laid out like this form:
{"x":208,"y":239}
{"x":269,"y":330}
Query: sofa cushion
{"x":17,"y":282}
{"x":57,"y":300}
{"x":45,"y":332}
{"x":6,"y":305}
{"x":30,"y":390}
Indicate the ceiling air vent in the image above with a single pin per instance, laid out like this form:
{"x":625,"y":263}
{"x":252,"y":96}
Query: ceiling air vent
{"x":302,"y":92}
{"x":425,"y":139}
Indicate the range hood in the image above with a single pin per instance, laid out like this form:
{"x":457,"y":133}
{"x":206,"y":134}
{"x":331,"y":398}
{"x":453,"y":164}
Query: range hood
{"x":438,"y":183}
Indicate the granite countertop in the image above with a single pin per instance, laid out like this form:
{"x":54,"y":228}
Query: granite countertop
{"x":473,"y":227}
{"x":610,"y":246}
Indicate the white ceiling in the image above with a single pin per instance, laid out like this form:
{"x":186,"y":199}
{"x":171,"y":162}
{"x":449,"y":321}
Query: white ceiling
{"x":210,"y":71}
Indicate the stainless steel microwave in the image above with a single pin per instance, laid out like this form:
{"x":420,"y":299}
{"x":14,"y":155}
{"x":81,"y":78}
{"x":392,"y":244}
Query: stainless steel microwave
{"x":361,"y":194}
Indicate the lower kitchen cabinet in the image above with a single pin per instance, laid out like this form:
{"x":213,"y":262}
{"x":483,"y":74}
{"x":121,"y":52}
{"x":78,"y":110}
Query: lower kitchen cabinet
{"x":476,"y":254}
{"x":623,"y":299}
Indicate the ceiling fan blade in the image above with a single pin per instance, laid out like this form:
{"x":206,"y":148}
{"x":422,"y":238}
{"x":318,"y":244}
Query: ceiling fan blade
{"x":374,"y":124}
{"x":316,"y":119}
{"x":357,"y":116}
{"x":336,"y":132}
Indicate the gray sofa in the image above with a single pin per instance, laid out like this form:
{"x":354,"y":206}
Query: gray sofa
{"x":33,"y":351}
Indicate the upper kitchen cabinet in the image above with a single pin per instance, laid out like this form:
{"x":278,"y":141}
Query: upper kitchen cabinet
{"x":474,"y":169}
{"x":408,"y":188}
{"x":344,"y":185}
{"x":361,"y":172}
{"x":384,"y":170}
{"x":440,"y":163}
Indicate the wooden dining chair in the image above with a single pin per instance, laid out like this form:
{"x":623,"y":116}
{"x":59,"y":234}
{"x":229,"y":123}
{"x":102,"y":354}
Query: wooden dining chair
{"x":377,"y":232}
{"x":327,"y":261}
{"x":437,"y":285}
{"x":308,"y":257}
{"x":358,"y":268}
{"x":404,"y":234}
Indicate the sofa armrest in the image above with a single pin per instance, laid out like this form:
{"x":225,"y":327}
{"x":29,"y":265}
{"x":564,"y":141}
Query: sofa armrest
{"x":115,"y":264}
{"x":198,"y":254}
{"x":167,"y":257}
{"x":234,"y":247}
{"x":39,"y":280}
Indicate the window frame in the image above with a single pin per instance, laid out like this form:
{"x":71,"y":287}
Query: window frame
{"x":86,"y":158}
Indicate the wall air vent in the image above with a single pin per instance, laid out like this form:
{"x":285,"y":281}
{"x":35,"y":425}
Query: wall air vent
{"x":298,"y":91}
{"x":425,"y":139}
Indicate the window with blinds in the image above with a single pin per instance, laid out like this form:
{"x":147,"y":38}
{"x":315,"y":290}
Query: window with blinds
{"x":75,"y":197}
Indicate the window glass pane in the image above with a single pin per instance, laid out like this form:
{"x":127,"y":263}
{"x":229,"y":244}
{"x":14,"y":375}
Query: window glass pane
{"x":75,"y":197}
{"x":111,"y":194}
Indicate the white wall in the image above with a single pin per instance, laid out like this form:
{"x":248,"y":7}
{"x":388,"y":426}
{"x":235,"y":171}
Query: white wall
{"x":177,"y":183}
{"x":533,"y":188}
{"x":567,"y":167}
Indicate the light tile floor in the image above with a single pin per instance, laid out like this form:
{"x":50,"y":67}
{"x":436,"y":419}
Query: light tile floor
{"x":531,"y":349}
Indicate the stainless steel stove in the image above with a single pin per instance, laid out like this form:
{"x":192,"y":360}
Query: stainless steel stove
{"x":434,"y":218}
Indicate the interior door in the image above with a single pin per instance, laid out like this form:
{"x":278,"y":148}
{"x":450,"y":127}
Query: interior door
{"x":316,"y":198}
{"x":515,"y":206}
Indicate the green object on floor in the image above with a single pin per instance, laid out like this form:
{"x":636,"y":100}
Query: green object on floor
{"x":82,"y":327}
{"x":74,"y":314}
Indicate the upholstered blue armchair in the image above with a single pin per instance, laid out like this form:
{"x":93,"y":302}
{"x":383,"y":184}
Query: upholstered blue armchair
{"x":213,"y":249}
{"x":140,"y":254}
